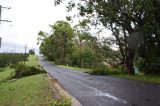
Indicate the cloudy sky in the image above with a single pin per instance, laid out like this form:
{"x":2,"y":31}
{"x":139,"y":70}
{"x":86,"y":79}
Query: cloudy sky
{"x":28,"y":17}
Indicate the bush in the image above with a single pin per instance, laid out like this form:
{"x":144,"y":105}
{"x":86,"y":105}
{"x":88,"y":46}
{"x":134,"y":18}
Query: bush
{"x":150,"y":65}
{"x":1,"y":70}
{"x":22,"y":70}
{"x":117,"y":70}
{"x":113,"y":72}
{"x":101,"y":69}
{"x":62,"y":102}
{"x":32,"y":52}
{"x":11,"y":58}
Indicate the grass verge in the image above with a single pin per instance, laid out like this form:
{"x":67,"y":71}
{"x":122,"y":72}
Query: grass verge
{"x":32,"y":61}
{"x":145,"y":78}
{"x":5,"y":74}
{"x":76,"y":68}
{"x":28,"y":91}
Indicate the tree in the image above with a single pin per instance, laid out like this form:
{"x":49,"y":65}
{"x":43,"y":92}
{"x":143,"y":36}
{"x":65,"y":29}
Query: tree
{"x":32,"y":52}
{"x":132,"y":23}
{"x":76,"y":47}
{"x":57,"y":45}
{"x":87,"y":44}
{"x":63,"y":34}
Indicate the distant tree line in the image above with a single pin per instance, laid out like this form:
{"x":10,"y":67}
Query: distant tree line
{"x":9,"y":59}
{"x":73,"y":46}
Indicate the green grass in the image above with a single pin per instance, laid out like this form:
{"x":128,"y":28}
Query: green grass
{"x":76,"y":68}
{"x":32,"y":61}
{"x":5,"y":74}
{"x":145,"y":78}
{"x":28,"y":91}
{"x":69,"y":67}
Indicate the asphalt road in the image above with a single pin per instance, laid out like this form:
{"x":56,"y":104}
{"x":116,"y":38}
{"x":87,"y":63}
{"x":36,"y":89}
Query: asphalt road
{"x":93,"y":90}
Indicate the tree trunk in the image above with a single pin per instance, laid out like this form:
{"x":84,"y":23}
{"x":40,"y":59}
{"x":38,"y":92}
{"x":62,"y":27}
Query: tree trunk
{"x":129,"y":68}
{"x":127,"y":52}
{"x":81,"y":53}
{"x":129,"y":63}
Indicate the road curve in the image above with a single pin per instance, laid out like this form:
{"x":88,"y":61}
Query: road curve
{"x":93,"y":90}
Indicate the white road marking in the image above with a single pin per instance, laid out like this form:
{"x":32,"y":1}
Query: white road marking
{"x":100,"y":93}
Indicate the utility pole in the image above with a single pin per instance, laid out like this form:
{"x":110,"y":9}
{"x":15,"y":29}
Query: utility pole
{"x":1,"y":7}
{"x":25,"y":48}
{"x":3,"y":20}
{"x":0,"y":42}
{"x":25,"y":51}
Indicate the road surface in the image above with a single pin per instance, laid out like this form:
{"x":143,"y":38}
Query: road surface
{"x":93,"y":90}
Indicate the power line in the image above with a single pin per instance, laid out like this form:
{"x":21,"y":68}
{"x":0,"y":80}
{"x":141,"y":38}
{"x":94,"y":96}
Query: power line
{"x":1,"y":7}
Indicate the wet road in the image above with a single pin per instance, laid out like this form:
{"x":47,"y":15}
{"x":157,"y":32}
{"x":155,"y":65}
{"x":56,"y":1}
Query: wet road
{"x":93,"y":90}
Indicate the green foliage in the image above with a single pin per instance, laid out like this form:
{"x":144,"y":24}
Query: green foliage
{"x":1,"y":70}
{"x":32,"y":61}
{"x":100,"y":69}
{"x":78,"y":48}
{"x":57,"y":45}
{"x":88,"y":58}
{"x":28,"y":91}
{"x":23,"y":70}
{"x":32,"y":52}
{"x":61,"y":102}
{"x":150,"y":65}
{"x":146,"y":78}
{"x":11,"y":58}
{"x":5,"y":74}
{"x":135,"y":27}
{"x":116,"y":70}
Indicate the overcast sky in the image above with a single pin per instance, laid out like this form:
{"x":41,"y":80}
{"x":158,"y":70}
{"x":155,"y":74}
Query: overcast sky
{"x":28,"y":17}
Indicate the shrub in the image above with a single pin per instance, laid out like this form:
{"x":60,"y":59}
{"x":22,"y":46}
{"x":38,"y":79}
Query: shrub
{"x":1,"y":70}
{"x":32,"y":52}
{"x":11,"y":58}
{"x":61,"y":102}
{"x":113,"y":72}
{"x":101,"y":69}
{"x":117,"y":70}
{"x":22,"y":70}
{"x":150,"y":65}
